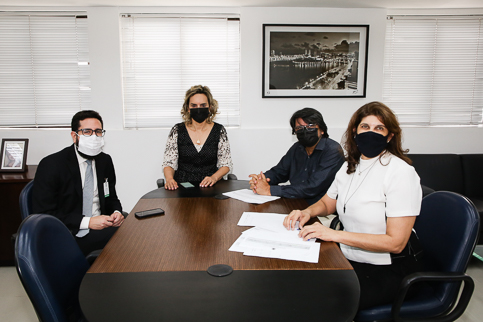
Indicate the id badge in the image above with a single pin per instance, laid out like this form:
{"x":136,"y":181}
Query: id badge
{"x":106,"y":189}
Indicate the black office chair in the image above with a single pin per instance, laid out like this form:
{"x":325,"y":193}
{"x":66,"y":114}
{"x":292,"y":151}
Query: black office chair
{"x":25,"y":200}
{"x":160,"y":182}
{"x":447,"y":227}
{"x":25,"y":203}
{"x":51,"y":267}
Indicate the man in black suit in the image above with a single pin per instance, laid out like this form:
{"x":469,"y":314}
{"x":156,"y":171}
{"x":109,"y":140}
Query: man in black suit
{"x":65,"y":185}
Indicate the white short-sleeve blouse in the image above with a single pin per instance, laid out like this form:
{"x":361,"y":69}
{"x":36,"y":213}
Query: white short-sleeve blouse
{"x":379,"y":188}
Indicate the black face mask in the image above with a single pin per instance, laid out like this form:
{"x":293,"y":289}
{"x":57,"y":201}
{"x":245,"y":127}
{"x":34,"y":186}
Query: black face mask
{"x":371,"y":144}
{"x":308,"y":139}
{"x":199,"y":114}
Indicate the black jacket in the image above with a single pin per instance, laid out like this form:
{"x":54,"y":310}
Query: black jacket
{"x":57,"y":187}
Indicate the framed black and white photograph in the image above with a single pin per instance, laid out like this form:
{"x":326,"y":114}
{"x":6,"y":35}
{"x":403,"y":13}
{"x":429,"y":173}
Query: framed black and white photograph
{"x":14,"y":155}
{"x":315,"y":60}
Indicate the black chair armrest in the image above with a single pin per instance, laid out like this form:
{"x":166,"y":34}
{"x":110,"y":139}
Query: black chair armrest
{"x":231,"y":176}
{"x":91,"y":257}
{"x":336,"y":223}
{"x":13,"y":238}
{"x":426,"y":190}
{"x":461,"y":305}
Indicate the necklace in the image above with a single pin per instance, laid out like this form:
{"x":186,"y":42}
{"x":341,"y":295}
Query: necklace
{"x":360,"y":184}
{"x":198,"y":142}
{"x":359,"y":167}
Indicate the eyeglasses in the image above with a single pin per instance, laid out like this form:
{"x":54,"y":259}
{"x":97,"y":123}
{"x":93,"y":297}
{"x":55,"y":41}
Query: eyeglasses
{"x":89,"y":132}
{"x":308,"y":128}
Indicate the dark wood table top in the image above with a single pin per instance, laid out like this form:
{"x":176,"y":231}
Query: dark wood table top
{"x":155,"y":269}
{"x":196,"y":233}
{"x":216,"y":190}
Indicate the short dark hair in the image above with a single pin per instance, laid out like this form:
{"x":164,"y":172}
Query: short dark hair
{"x":310,"y":116}
{"x":81,"y":116}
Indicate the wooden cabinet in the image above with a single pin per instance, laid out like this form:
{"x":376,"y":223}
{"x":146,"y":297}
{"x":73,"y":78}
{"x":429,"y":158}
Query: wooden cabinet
{"x":11,"y":184}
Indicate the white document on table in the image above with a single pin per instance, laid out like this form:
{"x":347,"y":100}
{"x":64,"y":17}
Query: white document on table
{"x":246,"y":195}
{"x":269,"y":221}
{"x":267,"y":239}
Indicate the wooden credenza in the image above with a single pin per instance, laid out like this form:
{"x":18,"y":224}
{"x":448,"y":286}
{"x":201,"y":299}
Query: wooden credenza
{"x":11,"y":184}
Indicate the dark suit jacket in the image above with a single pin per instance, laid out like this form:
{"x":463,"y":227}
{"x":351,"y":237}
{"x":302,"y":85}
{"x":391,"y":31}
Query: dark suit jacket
{"x":57,"y":187}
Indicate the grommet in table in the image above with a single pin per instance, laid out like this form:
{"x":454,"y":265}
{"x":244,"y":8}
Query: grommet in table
{"x":220,"y":270}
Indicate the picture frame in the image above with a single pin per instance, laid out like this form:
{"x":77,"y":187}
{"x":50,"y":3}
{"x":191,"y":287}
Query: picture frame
{"x":14,"y":155}
{"x":314,"y":60}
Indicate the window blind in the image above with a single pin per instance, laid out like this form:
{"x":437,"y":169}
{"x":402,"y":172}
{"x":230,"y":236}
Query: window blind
{"x":433,"y":69}
{"x":44,"y":68}
{"x":162,"y":57}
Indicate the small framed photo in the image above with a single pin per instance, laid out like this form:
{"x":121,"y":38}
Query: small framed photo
{"x":14,"y":155}
{"x":314,"y":60}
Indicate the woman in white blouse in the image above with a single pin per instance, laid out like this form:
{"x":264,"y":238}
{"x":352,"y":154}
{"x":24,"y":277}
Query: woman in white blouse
{"x":197,"y":150}
{"x":377,"y":195}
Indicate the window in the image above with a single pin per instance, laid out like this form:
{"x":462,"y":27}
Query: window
{"x":163,"y":56}
{"x":433,"y":69}
{"x":44,"y":68}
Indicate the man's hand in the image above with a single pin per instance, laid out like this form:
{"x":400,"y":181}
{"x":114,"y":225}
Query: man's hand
{"x":117,"y":219}
{"x":100,"y":222}
{"x":260,"y":184}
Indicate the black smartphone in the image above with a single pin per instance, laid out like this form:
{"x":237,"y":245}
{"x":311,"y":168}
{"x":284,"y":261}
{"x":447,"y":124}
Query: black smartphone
{"x":148,"y":213}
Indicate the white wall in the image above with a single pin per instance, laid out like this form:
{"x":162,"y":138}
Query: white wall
{"x":264,"y":134}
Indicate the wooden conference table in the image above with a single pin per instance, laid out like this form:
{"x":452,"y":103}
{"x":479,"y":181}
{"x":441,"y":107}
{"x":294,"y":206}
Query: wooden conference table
{"x":155,"y":269}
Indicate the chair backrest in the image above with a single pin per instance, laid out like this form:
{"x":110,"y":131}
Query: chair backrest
{"x":473,"y":174}
{"x":51,"y":266}
{"x":448,"y":229}
{"x":441,"y":172}
{"x":25,"y":200}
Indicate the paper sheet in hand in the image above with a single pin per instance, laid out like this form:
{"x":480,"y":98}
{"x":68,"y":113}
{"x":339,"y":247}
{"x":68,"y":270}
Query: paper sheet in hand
{"x":269,"y":221}
{"x":246,"y":195}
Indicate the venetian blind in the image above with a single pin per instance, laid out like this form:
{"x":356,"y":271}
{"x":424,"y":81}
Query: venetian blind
{"x":44,"y":68}
{"x":433,"y":69}
{"x":162,"y":57}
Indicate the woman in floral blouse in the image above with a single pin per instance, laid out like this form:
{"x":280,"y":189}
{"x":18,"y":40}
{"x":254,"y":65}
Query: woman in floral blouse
{"x":197,"y":149}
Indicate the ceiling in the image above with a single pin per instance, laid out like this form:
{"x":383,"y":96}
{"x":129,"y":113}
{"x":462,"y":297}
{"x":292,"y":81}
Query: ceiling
{"x":390,"y":4}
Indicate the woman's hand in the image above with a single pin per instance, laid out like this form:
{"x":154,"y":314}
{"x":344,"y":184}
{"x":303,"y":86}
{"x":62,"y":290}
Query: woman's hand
{"x":208,"y":181}
{"x":317,"y":230}
{"x":296,"y":215}
{"x":171,"y":184}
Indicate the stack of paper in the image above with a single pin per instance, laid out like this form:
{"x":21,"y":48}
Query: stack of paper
{"x":249,"y":196}
{"x":269,"y":238}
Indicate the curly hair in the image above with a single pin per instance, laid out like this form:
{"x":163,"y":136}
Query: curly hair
{"x":199,"y":89}
{"x":388,"y":118}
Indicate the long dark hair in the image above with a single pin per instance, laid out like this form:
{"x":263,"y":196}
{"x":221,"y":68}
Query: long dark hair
{"x":388,"y":118}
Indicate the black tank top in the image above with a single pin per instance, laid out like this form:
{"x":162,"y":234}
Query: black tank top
{"x":194,"y":165}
